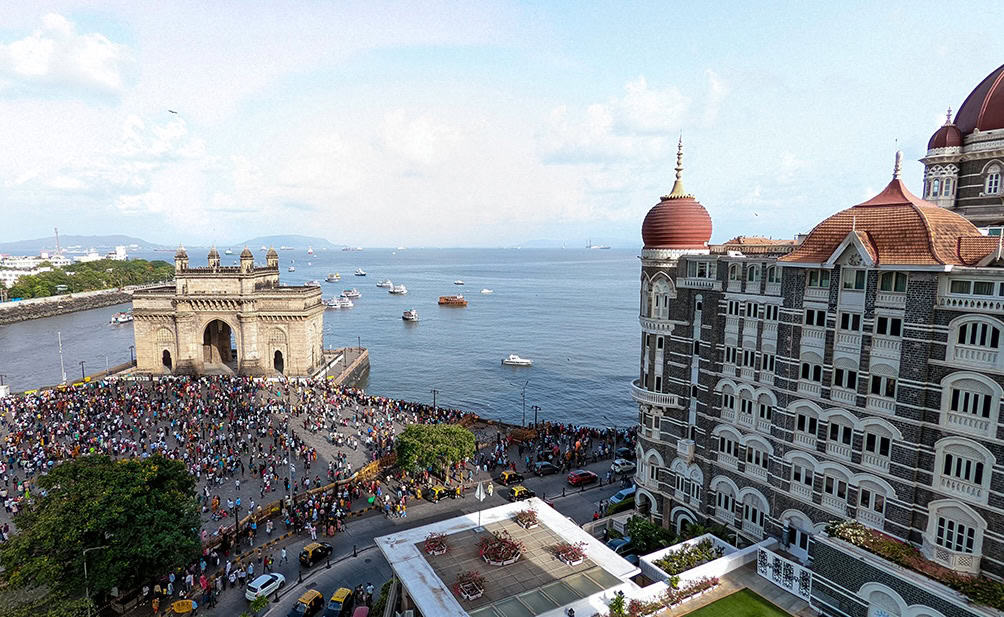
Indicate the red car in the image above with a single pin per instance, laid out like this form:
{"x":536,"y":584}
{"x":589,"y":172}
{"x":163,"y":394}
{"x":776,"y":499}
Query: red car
{"x":581,"y":476}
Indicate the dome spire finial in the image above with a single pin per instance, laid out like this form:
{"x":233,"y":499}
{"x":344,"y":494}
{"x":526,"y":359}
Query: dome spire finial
{"x":898,"y":168}
{"x":948,"y":116}
{"x":678,"y":191}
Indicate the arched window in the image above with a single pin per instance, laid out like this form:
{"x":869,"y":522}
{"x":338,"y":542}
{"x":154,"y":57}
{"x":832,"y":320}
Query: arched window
{"x":753,"y":273}
{"x":764,"y":412}
{"x":893,"y":281}
{"x":726,"y":493}
{"x":876,"y":447}
{"x":975,"y":341}
{"x":954,"y":535}
{"x":993,"y":182}
{"x":728,"y":398}
{"x":970,"y":403}
{"x":882,"y":601}
{"x":755,"y":511}
{"x":806,"y":425}
{"x":803,"y":472}
{"x":963,"y":467}
{"x":662,"y":292}
{"x":773,"y":274}
{"x":935,"y":188}
{"x":735,"y":272}
{"x":835,"y":483}
{"x":946,"y":188}
{"x":873,"y":495}
{"x":840,"y":436}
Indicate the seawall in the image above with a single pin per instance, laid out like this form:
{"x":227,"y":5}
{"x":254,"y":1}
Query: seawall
{"x":36,"y":308}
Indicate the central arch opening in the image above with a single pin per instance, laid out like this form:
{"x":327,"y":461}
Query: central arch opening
{"x":219,"y":345}
{"x":165,"y":358}
{"x":277,"y":362}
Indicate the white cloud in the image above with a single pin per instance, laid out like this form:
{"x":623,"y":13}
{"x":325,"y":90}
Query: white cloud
{"x":717,"y":91}
{"x":57,"y":55}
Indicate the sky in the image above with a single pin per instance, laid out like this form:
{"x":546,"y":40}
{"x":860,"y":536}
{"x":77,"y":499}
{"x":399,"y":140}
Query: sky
{"x":466,"y":123}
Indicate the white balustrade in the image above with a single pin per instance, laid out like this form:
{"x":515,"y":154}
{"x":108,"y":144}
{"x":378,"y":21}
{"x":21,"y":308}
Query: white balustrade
{"x":809,"y":387}
{"x":745,"y":419}
{"x":817,"y":293}
{"x":660,"y":399}
{"x":656,"y":324}
{"x":773,"y":289}
{"x":699,"y":283}
{"x":753,"y":529}
{"x":843,"y":395}
{"x":813,"y":337}
{"x":880,"y":403}
{"x":766,"y":378}
{"x":972,"y":304}
{"x":732,"y":323}
{"x":962,"y":487}
{"x":886,"y":347}
{"x":729,"y":415}
{"x":875,"y":461}
{"x":727,"y":460}
{"x":967,"y":422}
{"x":966,"y":563}
{"x":838,"y":450}
{"x":871,"y":518}
{"x":891,"y":299}
{"x":976,"y":355}
{"x":848,"y":341}
{"x":805,"y":439}
{"x":728,"y":516}
{"x":735,"y":286}
{"x":802,"y":490}
{"x":763,"y":425}
{"x":746,"y":373}
{"x":835,"y":504}
{"x":757,"y":472}
{"x":770,"y":330}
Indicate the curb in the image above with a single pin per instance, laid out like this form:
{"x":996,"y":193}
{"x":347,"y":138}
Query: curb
{"x":306,"y":579}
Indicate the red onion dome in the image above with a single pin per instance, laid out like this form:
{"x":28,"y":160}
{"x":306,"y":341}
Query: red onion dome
{"x":678,"y":221}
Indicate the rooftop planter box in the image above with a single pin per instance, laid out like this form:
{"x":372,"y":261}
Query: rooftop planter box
{"x":470,"y":585}
{"x":527,"y":519}
{"x":978,"y":589}
{"x":570,"y":554}
{"x":689,"y":557}
{"x":435,"y":544}
{"x":500,"y":549}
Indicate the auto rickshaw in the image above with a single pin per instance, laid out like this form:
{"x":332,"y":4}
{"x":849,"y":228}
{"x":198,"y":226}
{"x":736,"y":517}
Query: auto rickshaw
{"x":509,"y":477}
{"x":184,"y":607}
{"x":520,"y":492}
{"x":437,"y":492}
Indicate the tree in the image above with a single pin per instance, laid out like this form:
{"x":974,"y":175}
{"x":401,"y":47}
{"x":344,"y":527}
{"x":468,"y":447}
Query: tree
{"x":142,"y":511}
{"x":48,"y":605}
{"x":256,"y":606}
{"x":647,"y":536}
{"x":425,"y":446}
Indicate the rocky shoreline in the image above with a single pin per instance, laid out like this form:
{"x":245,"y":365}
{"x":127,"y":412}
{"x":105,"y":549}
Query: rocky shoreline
{"x":24,"y":310}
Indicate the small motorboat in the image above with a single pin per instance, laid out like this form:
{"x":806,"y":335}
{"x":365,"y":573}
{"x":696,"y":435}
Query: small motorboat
{"x":514,"y":360}
{"x":458,"y":282}
{"x":310,"y":263}
{"x":228,"y":252}
{"x":333,"y":303}
{"x":487,"y":291}
{"x":398,"y":290}
{"x":345,"y":303}
{"x":310,"y":250}
{"x":124,"y":317}
{"x":385,"y":283}
{"x":410,"y":315}
{"x":292,"y":266}
{"x":333,"y":277}
{"x":314,"y":283}
{"x":359,"y":272}
{"x":351,"y":293}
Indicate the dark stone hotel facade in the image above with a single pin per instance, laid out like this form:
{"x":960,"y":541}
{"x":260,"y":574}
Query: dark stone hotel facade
{"x":856,"y":374}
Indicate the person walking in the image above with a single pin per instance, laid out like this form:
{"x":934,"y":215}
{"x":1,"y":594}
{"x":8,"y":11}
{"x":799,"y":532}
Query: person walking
{"x":283,"y":559}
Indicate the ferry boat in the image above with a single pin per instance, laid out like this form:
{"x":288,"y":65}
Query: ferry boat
{"x":228,"y":252}
{"x":124,"y":317}
{"x":410,"y":315}
{"x":514,"y":360}
{"x":333,"y":277}
{"x":487,"y":291}
{"x":314,"y":283}
{"x":352,"y":293}
{"x":285,"y":248}
{"x":345,"y":303}
{"x":332,"y":303}
{"x":385,"y":283}
{"x":310,"y":250}
{"x":457,"y":300}
{"x":398,"y":290}
{"x":591,"y":246}
{"x":291,"y":268}
{"x":458,"y":282}
{"x":359,"y":272}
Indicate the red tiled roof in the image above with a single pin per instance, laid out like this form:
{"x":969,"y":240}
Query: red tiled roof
{"x":972,"y":250}
{"x":744,"y":240}
{"x":896,"y":227}
{"x":984,"y":107}
{"x":946,"y":136}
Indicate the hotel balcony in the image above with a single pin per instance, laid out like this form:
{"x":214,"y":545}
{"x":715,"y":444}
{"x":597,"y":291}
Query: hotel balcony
{"x":813,"y":338}
{"x":880,"y":403}
{"x":875,"y":461}
{"x":760,"y":473}
{"x":773,"y":289}
{"x":838,"y":450}
{"x":966,"y":563}
{"x":886,"y":347}
{"x":745,"y":419}
{"x":766,"y":378}
{"x":659,"y":399}
{"x":976,"y":355}
{"x":727,"y":460}
{"x":804,"y":439}
{"x":960,"y":487}
{"x":699,"y":283}
{"x":752,"y":529}
{"x":891,"y":299}
{"x":835,"y":504}
{"x":729,"y":415}
{"x":811,"y":388}
{"x":656,"y":324}
{"x":867,"y":516}
{"x":817,"y":293}
{"x":968,"y":423}
{"x":843,"y":395}
{"x":972,"y":304}
{"x":763,"y":425}
{"x":849,"y":342}
{"x":801,"y":490}
{"x":727,"y":516}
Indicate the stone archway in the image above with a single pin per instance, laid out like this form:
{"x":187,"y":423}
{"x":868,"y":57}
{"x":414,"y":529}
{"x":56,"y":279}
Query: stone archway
{"x":218,"y":344}
{"x":277,"y":362}
{"x":165,"y":359}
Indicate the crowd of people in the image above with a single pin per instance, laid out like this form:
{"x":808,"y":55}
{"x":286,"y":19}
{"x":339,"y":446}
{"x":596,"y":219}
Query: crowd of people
{"x":249,"y":442}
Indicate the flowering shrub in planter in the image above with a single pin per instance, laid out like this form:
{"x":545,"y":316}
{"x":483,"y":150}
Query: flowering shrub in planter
{"x":470,"y":585}
{"x":527,"y":519}
{"x":669,"y":598}
{"x":672,"y":597}
{"x":979,"y":589}
{"x":435,"y":544}
{"x":689,"y":557}
{"x":500,"y":549}
{"x":571,"y":554}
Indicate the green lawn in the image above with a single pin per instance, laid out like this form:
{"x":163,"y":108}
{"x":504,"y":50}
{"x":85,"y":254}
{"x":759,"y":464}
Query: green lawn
{"x":743,"y":603}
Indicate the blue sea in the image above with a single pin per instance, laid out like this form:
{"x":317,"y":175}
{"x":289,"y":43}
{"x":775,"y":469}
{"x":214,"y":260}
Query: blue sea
{"x":572,"y":311}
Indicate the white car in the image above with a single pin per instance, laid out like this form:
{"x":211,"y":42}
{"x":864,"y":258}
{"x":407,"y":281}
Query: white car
{"x":622,"y":465}
{"x":264,"y":585}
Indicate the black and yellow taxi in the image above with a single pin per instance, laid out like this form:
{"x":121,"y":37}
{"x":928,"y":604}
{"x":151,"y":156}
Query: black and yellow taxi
{"x":437,"y":492}
{"x":307,"y":605}
{"x":507,"y":478}
{"x":520,"y":492}
{"x":314,"y":553}
{"x":184,"y":607}
{"x":340,"y":603}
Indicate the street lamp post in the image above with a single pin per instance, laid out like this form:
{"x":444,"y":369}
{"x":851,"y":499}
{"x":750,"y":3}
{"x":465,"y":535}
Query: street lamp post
{"x":87,"y":589}
{"x":82,"y":376}
{"x":535,"y":409}
{"x":132,"y":353}
{"x":434,"y":393}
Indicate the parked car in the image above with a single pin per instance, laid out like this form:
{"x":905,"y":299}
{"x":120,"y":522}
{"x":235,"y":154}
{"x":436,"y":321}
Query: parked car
{"x":314,"y":552}
{"x":623,"y":452}
{"x":621,"y":546}
{"x":621,"y":500}
{"x":340,"y":604}
{"x":308,"y":604}
{"x":509,"y":477}
{"x":264,"y":585}
{"x":581,"y":477}
{"x":622,"y":465}
{"x":544,"y":468}
{"x":520,"y":492}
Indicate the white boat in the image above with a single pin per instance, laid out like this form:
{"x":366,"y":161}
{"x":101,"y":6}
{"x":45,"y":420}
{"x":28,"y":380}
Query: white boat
{"x":359,"y":272}
{"x":410,"y":315}
{"x":487,"y":291}
{"x":333,"y":277}
{"x":352,"y":293}
{"x":345,"y":303}
{"x":228,"y":252}
{"x":314,"y":283}
{"x":385,"y":283}
{"x":123,"y":317}
{"x":398,"y":290}
{"x":458,"y":282}
{"x":333,"y":303}
{"x":310,"y":250}
{"x":514,"y":360}
{"x":310,"y":263}
{"x":292,"y":266}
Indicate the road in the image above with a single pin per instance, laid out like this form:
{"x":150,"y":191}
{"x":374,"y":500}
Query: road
{"x":369,"y":566}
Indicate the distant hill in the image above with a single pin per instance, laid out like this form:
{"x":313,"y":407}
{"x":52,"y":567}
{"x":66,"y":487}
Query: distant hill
{"x":293,"y":240}
{"x":100,"y":243}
